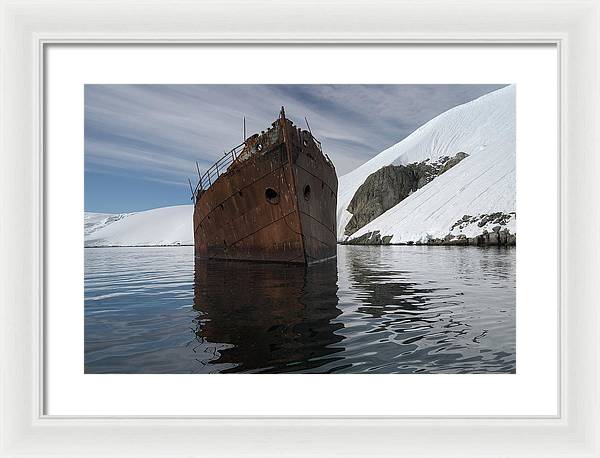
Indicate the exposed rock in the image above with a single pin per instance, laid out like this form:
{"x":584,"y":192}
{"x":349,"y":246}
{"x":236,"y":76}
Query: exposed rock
{"x":493,"y":227}
{"x":381,"y":191}
{"x":484,"y":230}
{"x":370,"y":238}
{"x":484,"y":219}
{"x":452,"y":161}
{"x":390,"y":185}
{"x":500,"y":238}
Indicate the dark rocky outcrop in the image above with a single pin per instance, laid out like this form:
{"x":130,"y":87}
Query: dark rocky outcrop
{"x":370,"y":238}
{"x":392,"y":184}
{"x":499,"y":218}
{"x":493,"y":233}
{"x":498,"y":237}
{"x":449,"y":162}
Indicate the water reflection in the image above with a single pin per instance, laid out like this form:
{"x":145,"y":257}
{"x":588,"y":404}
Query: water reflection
{"x":272,"y":317}
{"x":430,"y":309}
{"x":386,"y":309}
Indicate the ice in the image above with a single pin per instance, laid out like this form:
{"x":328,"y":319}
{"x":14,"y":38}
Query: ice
{"x":160,"y":226}
{"x":482,"y":183}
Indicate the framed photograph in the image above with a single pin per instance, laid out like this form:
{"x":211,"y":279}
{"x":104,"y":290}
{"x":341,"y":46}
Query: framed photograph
{"x":290,"y":229}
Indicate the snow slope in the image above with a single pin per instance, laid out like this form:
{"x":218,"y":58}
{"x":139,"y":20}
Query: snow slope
{"x":484,"y":182}
{"x":160,"y":226}
{"x":94,"y":221}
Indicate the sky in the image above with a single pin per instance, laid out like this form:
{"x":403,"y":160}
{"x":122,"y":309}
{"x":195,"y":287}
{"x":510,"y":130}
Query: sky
{"x":142,"y":141}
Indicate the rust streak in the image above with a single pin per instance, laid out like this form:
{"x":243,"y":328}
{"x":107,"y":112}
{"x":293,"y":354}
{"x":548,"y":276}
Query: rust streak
{"x":271,"y":199}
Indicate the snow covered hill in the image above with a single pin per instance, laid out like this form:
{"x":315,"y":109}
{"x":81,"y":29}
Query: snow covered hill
{"x":160,"y":226}
{"x":94,"y":221}
{"x":475,"y":195}
{"x":480,"y":185}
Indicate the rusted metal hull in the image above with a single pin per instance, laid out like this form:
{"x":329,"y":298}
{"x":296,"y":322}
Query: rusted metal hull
{"x":276,"y":202}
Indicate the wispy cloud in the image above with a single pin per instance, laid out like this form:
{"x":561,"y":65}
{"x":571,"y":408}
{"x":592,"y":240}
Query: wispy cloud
{"x":157,"y":132}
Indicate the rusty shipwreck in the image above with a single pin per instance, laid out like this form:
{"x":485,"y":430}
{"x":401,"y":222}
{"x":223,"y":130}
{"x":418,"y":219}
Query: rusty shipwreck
{"x":271,"y":199}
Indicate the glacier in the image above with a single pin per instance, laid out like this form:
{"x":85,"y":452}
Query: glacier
{"x":159,"y":226}
{"x":483,"y":183}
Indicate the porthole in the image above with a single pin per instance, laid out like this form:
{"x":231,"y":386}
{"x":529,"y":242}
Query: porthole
{"x":259,"y":147}
{"x":272,"y":196}
{"x":304,"y":142}
{"x":307,"y":192}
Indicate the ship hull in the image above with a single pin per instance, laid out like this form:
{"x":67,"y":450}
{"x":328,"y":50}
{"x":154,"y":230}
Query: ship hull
{"x":276,"y":205}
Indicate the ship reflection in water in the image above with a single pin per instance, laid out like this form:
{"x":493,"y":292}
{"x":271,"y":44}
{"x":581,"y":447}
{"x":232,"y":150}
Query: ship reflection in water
{"x":376,"y":310}
{"x":274,"y":317}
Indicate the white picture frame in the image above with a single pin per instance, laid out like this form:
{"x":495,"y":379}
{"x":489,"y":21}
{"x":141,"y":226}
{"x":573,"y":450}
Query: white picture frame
{"x":28,"y":26}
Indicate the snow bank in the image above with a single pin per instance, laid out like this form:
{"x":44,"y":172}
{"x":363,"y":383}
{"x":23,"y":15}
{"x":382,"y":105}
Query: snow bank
{"x":482,"y":183}
{"x":161,"y":226}
{"x":95,"y":221}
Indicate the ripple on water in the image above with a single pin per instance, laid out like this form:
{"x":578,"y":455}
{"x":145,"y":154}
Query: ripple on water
{"x":385,"y":309}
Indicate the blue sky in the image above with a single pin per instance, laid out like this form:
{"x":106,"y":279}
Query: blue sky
{"x":142,"y":141}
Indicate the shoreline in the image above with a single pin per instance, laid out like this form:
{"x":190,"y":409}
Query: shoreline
{"x":419,"y":244}
{"x":139,"y":246}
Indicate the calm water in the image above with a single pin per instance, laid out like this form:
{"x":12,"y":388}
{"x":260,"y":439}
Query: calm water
{"x":389,"y":309}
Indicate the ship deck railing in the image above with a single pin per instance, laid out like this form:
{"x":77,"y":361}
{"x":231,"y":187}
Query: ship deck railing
{"x":221,"y":166}
{"x":318,"y":143}
{"x":218,"y":168}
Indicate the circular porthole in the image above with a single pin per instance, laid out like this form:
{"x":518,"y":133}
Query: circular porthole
{"x":259,"y":147}
{"x":272,"y":196}
{"x":307,"y":192}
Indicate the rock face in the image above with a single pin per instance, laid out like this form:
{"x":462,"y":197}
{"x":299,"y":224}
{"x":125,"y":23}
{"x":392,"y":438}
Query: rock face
{"x":500,"y":237}
{"x":390,"y":185}
{"x":496,"y":220}
{"x":370,"y":238}
{"x":487,"y":229}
